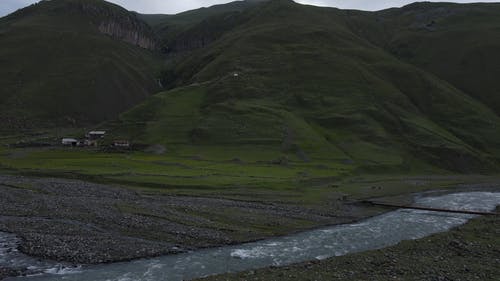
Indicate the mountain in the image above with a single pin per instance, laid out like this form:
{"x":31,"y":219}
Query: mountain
{"x":73,"y":62}
{"x":458,"y":43}
{"x":197,"y":28}
{"x":309,"y":82}
{"x":455,"y":42}
{"x":394,"y":90}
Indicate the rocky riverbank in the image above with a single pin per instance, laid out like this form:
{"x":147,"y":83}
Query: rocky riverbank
{"x":86,"y":223}
{"x":77,"y":222}
{"x":469,"y":252}
{"x":8,"y":272}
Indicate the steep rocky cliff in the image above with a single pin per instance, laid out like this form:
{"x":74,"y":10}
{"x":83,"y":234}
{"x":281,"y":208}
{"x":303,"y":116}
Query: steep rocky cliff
{"x":108,"y":18}
{"x":128,"y":33}
{"x":117,"y":22}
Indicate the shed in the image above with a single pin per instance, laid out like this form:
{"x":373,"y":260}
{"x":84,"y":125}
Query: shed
{"x":121,"y":143}
{"x":69,"y":141}
{"x":93,"y":135}
{"x":90,"y":142}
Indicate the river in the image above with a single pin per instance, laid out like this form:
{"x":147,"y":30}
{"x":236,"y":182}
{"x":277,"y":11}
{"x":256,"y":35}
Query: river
{"x":373,"y":233}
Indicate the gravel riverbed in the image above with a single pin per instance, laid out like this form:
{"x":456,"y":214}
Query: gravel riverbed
{"x":7,"y":272}
{"x":85,"y":223}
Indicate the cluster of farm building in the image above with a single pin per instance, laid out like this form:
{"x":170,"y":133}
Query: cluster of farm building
{"x":92,"y":138}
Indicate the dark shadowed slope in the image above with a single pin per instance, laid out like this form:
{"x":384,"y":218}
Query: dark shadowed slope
{"x":197,"y":28}
{"x":69,"y":62}
{"x":456,"y":42}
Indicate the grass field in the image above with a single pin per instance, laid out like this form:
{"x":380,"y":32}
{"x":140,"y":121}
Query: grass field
{"x":187,"y":172}
{"x":228,"y":172}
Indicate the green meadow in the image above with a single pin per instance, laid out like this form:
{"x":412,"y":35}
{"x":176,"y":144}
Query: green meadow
{"x":209,"y":171}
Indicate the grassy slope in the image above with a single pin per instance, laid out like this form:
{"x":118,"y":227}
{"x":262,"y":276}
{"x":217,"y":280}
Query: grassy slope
{"x":214,"y":172}
{"x":472,"y":62}
{"x":309,"y":86}
{"x":198,"y":15}
{"x":57,"y":68}
{"x":455,"y":42}
{"x":173,"y":28}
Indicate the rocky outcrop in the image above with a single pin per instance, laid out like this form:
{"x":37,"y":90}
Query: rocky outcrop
{"x":128,"y":34}
{"x":118,"y":23}
{"x":111,"y":20}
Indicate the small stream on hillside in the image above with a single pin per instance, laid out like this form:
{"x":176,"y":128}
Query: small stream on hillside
{"x":374,"y":233}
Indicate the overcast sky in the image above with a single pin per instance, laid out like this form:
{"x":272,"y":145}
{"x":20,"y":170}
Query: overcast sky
{"x":176,"y":6}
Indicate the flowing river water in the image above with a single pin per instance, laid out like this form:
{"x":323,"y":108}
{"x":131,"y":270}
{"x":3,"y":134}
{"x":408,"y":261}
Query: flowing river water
{"x":373,"y":233}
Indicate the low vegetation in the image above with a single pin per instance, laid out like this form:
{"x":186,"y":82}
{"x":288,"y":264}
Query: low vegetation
{"x":229,"y":172}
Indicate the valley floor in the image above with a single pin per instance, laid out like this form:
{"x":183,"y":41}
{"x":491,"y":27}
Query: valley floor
{"x":469,"y":252}
{"x":87,"y":223}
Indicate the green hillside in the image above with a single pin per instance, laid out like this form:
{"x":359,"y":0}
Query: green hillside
{"x":397,"y":90}
{"x":73,"y":62}
{"x":461,"y":47}
{"x":455,"y":42}
{"x":198,"y":15}
{"x":197,"y":28}
{"x":300,"y":80}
